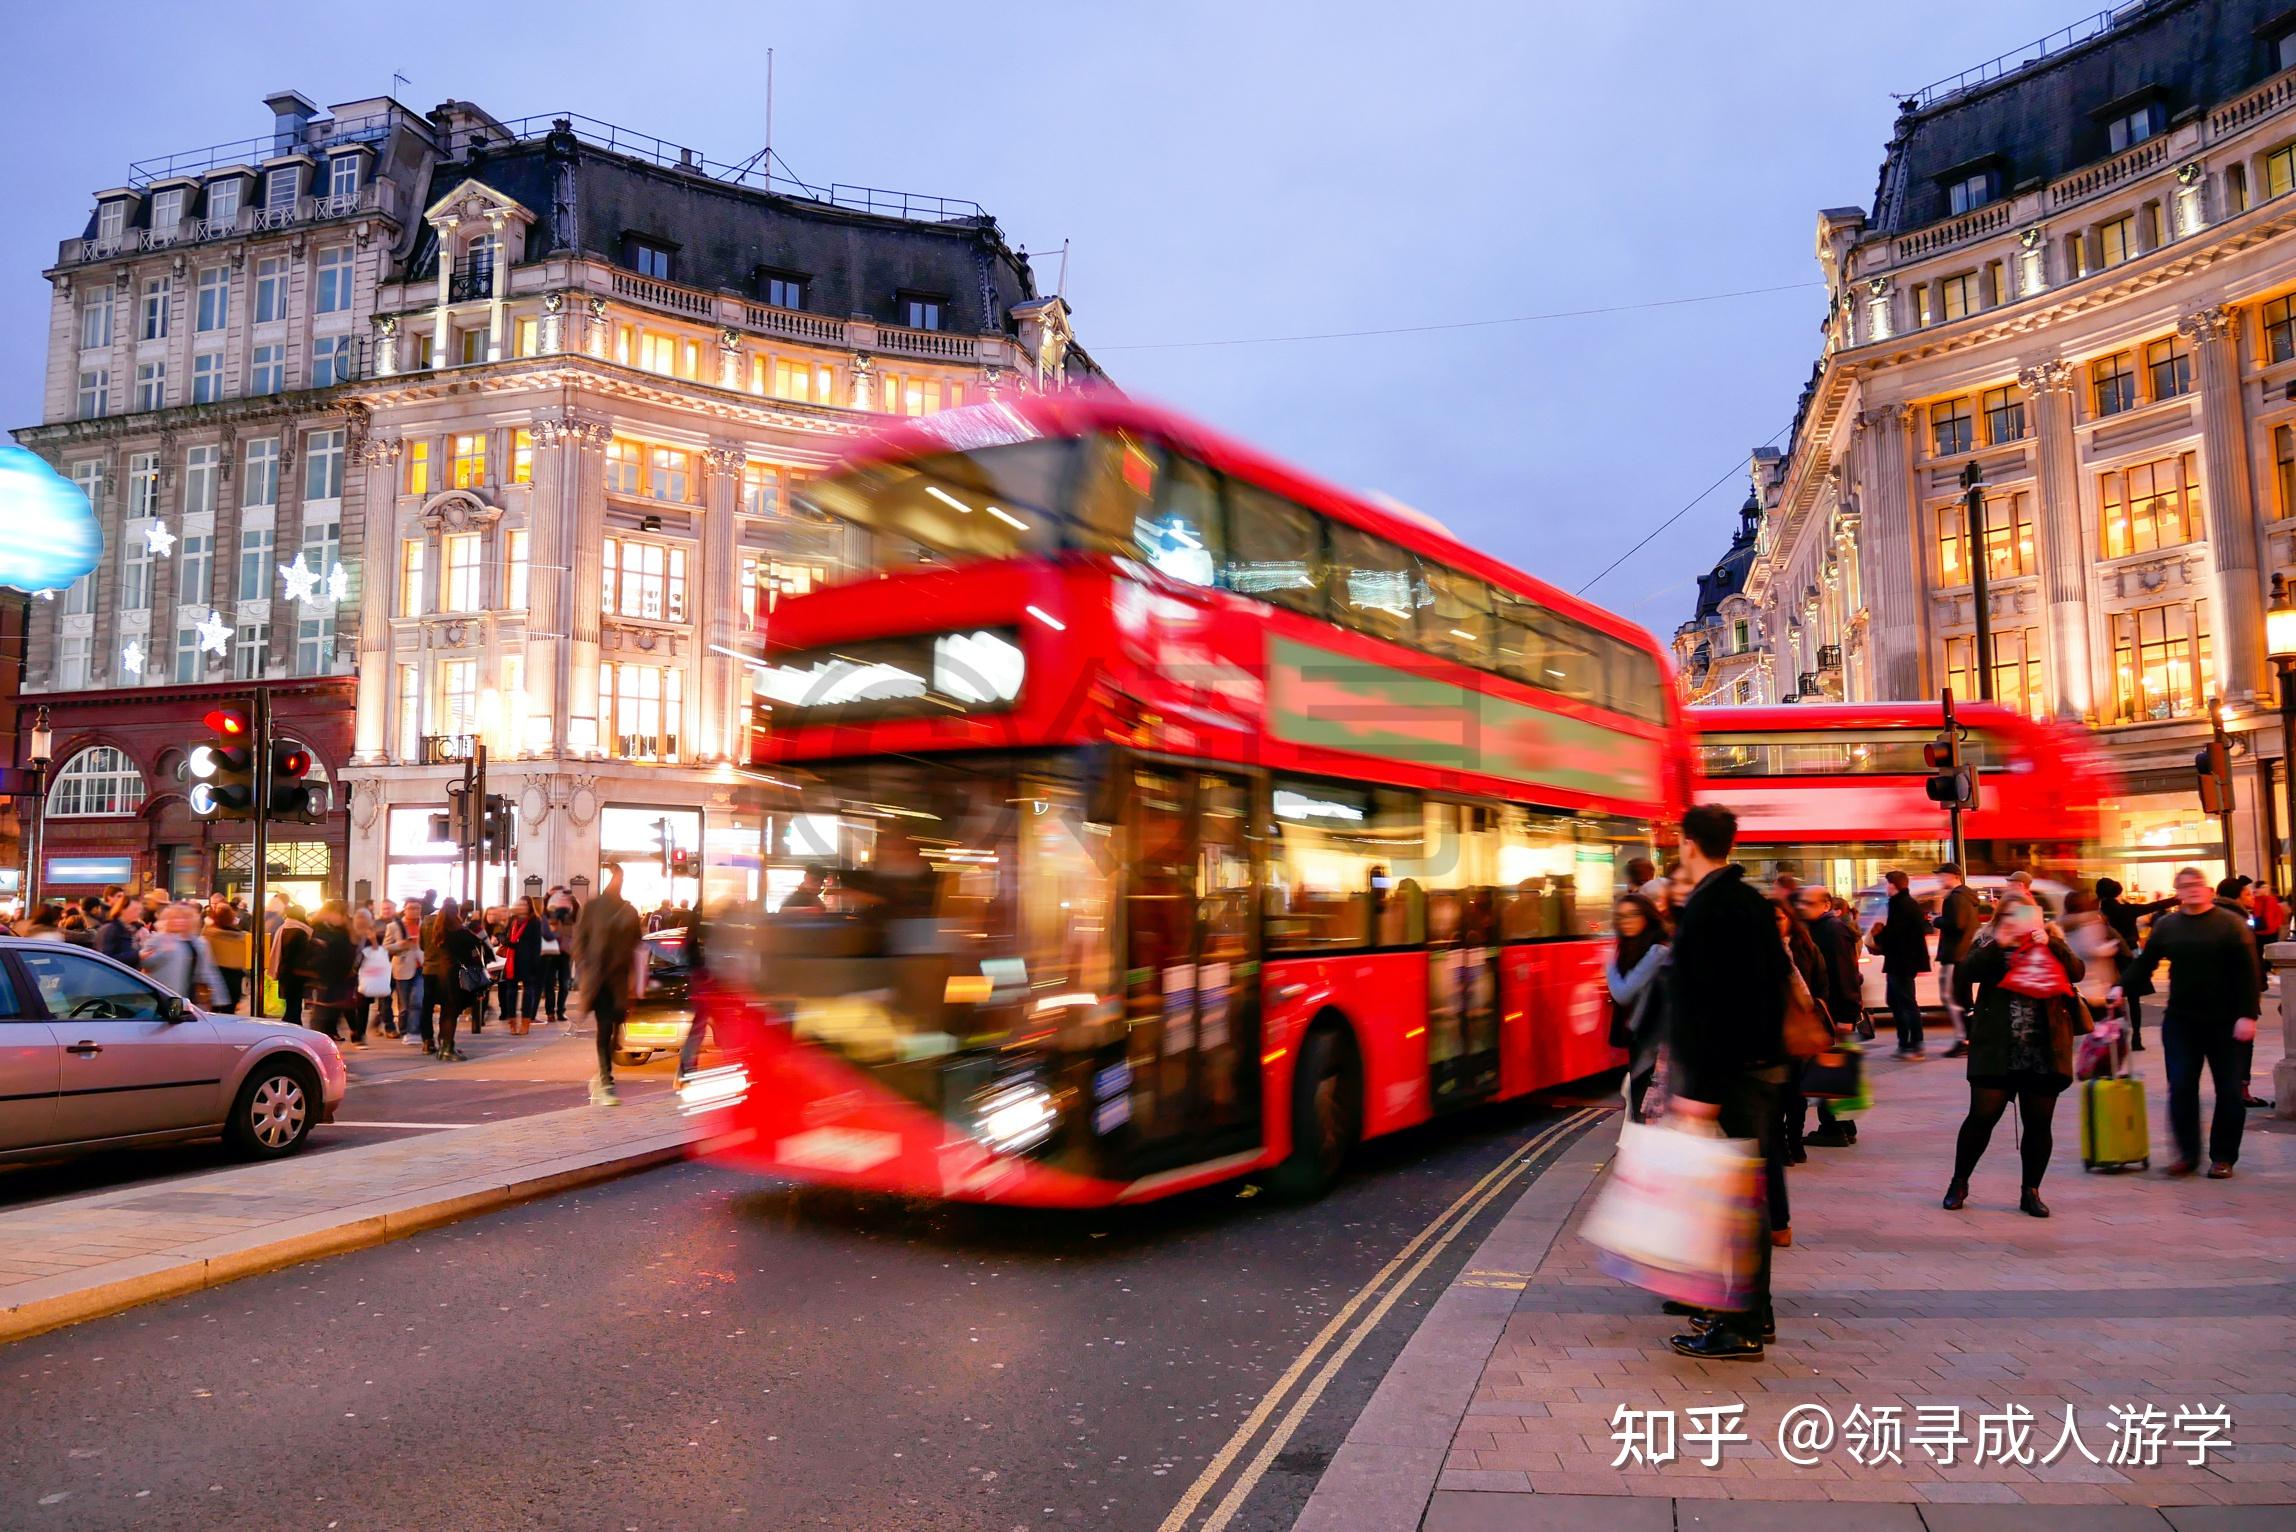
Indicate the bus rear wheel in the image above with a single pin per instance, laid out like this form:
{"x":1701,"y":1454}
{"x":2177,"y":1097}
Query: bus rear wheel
{"x":1327,"y":1106}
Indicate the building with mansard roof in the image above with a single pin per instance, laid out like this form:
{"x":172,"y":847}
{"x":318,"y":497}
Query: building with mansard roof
{"x":2078,"y":281}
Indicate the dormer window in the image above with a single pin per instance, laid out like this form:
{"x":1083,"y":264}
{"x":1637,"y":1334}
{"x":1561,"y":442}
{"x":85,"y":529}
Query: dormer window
{"x":166,"y":211}
{"x":112,"y":221}
{"x":279,"y":188}
{"x":2284,"y":50}
{"x":1970,"y":192}
{"x":343,"y":175}
{"x":920,"y":311}
{"x":2127,"y":129}
{"x":223,"y":200}
{"x":650,"y":260}
{"x":782,"y":289}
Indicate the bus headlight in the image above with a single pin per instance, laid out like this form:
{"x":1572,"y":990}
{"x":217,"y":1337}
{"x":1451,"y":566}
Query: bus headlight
{"x":708,"y":1089}
{"x":1013,"y":1115}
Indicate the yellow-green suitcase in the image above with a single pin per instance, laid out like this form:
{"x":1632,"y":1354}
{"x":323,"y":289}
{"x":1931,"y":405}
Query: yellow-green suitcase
{"x":2113,"y":1134}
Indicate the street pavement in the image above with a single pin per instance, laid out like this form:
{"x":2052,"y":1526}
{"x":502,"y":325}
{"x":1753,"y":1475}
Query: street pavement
{"x":689,"y":1347}
{"x":395,"y":1092}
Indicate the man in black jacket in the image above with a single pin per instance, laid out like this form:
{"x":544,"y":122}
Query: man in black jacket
{"x":1902,"y":939}
{"x":1958,"y":919}
{"x":2215,"y":992}
{"x":1725,"y":1026}
{"x":1844,"y":998}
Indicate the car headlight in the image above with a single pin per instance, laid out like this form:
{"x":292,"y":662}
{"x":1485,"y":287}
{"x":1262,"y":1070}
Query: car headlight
{"x":1014,"y":1114}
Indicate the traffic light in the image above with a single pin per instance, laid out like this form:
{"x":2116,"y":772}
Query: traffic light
{"x":224,"y":767}
{"x":498,"y":830}
{"x":665,"y":845}
{"x":291,"y":796}
{"x":685,"y":864}
{"x":2213,"y":765}
{"x":1951,"y":782}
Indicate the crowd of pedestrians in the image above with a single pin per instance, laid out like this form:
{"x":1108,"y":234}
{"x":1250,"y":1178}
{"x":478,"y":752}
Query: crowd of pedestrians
{"x":1724,"y":1001}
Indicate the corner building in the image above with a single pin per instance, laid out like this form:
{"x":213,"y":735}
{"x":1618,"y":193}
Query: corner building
{"x":2078,"y":276}
{"x":600,"y":377}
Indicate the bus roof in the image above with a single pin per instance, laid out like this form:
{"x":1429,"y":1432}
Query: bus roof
{"x":2047,"y":740}
{"x":1079,"y":412}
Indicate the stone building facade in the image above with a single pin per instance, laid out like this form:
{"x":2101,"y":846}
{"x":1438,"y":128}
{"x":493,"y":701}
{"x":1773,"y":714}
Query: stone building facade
{"x":2078,"y":277}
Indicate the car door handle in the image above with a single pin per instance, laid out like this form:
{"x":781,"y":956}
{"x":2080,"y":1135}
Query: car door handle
{"x":85,"y":1049}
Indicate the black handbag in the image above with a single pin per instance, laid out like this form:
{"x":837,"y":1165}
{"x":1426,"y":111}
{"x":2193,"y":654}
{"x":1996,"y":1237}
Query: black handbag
{"x":1837,"y":1074}
{"x":470,"y":978}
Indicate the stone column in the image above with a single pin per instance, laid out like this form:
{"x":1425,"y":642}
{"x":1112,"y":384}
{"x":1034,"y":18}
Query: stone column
{"x":378,"y":586}
{"x":720,"y":589}
{"x":2214,"y":333}
{"x":2064,"y":560}
{"x":1894,"y":574}
{"x":581,"y":519}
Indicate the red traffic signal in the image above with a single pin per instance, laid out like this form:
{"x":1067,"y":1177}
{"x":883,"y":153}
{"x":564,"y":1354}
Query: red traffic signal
{"x":227,"y":722}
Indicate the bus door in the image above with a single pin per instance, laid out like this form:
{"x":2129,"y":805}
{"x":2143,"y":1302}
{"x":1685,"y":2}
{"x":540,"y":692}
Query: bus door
{"x":1191,"y":962}
{"x":1462,"y":958}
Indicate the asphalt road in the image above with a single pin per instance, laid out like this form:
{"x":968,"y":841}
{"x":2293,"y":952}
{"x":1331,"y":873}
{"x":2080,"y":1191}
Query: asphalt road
{"x":690,"y":1348}
{"x":395,"y":1092}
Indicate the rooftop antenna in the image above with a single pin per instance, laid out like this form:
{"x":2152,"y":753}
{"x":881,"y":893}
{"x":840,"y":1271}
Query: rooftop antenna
{"x":1060,"y":284}
{"x":769,"y":119}
{"x":398,"y":80}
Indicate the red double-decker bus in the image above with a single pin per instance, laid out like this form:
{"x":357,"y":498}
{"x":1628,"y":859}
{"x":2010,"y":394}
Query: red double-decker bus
{"x":1147,"y":814}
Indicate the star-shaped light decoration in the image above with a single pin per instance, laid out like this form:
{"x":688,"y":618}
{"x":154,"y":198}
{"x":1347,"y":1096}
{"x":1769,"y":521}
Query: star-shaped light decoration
{"x":160,"y":539}
{"x":214,"y":634}
{"x":301,"y":580}
{"x":338,"y":584}
{"x":132,"y":658}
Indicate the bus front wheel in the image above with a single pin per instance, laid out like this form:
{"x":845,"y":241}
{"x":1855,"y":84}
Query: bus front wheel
{"x":1326,"y":1115}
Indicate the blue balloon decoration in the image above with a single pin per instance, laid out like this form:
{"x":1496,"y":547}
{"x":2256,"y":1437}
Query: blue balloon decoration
{"x":48,"y":531}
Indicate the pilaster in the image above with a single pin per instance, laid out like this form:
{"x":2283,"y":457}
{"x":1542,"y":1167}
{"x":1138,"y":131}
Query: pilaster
{"x":1892,"y":533}
{"x":2214,"y":333}
{"x":2049,"y":387}
{"x":721,"y":601}
{"x":379,"y":459}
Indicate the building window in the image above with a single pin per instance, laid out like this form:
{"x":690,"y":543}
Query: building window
{"x":1970,"y":192}
{"x":254,"y":563}
{"x":98,"y":781}
{"x":804,"y":382}
{"x":622,"y":466}
{"x":458,"y":692}
{"x":1951,"y":428}
{"x":314,"y":644}
{"x":2279,"y":330}
{"x":2113,"y":383}
{"x":95,"y":397}
{"x":269,"y":375}
{"x":330,"y":360}
{"x":2152,"y":505}
{"x":658,"y":353}
{"x":2116,"y":240}
{"x":410,"y":712}
{"x":88,"y":474}
{"x":920,"y":313}
{"x":323,"y":465}
{"x":785,"y":292}
{"x":166,"y":212}
{"x":466,"y":460}
{"x":2280,"y":171}
{"x":459,"y":573}
{"x":2016,"y":669}
{"x":279,"y":187}
{"x":195,"y":569}
{"x":520,"y":543}
{"x":418,"y":467}
{"x":75,"y":655}
{"x":1957,"y":297}
{"x":151,"y":385}
{"x":650,"y":260}
{"x":470,"y":345}
{"x":2284,"y":51}
{"x":259,"y":484}
{"x":913,"y":395}
{"x":522,"y":456}
{"x":646,"y":580}
{"x":270,"y":289}
{"x":343,"y":175}
{"x":135,"y":573}
{"x":2130,"y":129}
{"x":2162,"y":667}
{"x":669,"y":474}
{"x":222,"y":201}
{"x":155,"y":306}
{"x":249,"y":648}
{"x":526,"y":337}
{"x":334,"y":284}
{"x":96,"y":319}
{"x":111,"y":222}
{"x":2008,"y":539}
{"x":2284,"y":469}
{"x":207,"y":377}
{"x":2004,"y":414}
{"x":2168,"y":367}
{"x":202,"y":468}
{"x":322,"y":546}
{"x":187,"y":662}
{"x":411,"y":577}
{"x":143,"y":485}
{"x":760,"y":489}
{"x":2076,"y":257}
{"x":641,"y":705}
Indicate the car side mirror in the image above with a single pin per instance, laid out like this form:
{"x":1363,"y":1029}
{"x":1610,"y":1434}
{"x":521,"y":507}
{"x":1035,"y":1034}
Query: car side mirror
{"x":172,"y":1009}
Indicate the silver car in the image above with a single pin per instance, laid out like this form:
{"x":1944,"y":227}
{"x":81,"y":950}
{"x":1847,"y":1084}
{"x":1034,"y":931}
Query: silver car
{"x":94,"y":1055}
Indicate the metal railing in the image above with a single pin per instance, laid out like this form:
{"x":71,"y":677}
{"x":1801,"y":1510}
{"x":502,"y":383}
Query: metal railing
{"x":2009,"y":63}
{"x":468,"y":282}
{"x":448,"y":749}
{"x":323,"y":134}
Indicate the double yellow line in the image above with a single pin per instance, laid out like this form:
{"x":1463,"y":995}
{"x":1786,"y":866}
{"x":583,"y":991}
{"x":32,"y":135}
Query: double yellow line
{"x":1371,"y":1302}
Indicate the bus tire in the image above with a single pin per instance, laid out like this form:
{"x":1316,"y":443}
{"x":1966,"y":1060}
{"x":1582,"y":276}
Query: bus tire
{"x":1327,"y":1115}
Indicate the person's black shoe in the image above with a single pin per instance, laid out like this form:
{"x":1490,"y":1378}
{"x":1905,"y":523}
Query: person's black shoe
{"x":1850,"y":1128}
{"x":1957,"y":1196}
{"x":2137,"y":1044}
{"x":1834,"y":1135}
{"x":1720,"y":1344}
{"x":1795,"y":1155}
{"x":1679,"y":1309}
{"x":1958,"y":1050}
{"x":2254,"y":1102}
{"x":1706,"y":1322}
{"x":2030,"y":1204}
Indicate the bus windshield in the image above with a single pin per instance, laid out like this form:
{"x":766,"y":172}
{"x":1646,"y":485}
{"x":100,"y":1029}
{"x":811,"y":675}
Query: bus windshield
{"x":991,"y":503}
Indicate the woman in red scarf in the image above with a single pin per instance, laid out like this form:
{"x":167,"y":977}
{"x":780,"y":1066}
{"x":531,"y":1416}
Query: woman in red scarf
{"x":2020,"y":1042}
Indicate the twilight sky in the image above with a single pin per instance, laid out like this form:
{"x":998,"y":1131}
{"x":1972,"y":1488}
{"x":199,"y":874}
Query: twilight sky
{"x":1225,"y":170}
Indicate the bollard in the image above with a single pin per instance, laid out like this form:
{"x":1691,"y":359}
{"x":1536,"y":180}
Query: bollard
{"x":2282,"y":957}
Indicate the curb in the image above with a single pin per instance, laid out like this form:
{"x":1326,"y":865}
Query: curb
{"x":97,"y":1291}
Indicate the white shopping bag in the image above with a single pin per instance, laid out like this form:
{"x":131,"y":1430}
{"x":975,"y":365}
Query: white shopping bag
{"x":1679,"y":1216}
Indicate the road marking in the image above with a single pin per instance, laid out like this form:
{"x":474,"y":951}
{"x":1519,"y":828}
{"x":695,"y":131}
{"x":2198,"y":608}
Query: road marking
{"x":340,"y":1124}
{"x":1218,"y":1467}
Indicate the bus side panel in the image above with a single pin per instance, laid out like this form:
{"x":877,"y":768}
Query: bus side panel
{"x":1569,"y":1013}
{"x":1519,"y":1010}
{"x":1383,"y":996}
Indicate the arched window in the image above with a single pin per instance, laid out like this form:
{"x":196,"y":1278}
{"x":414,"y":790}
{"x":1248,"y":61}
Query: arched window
{"x":99,"y":780}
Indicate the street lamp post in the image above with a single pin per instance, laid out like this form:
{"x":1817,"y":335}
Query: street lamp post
{"x":43,"y":750}
{"x":1973,"y":506}
{"x":2280,"y":644}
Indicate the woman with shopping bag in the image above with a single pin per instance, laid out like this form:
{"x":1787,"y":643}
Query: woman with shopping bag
{"x":2021,"y":1033}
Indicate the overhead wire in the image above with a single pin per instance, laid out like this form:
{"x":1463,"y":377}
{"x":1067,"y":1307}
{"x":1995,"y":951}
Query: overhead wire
{"x":1736,"y":467}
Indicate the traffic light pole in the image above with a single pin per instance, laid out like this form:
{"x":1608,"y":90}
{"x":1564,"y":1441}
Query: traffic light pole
{"x":1973,"y":506}
{"x":478,"y":826}
{"x":258,"y":937}
{"x":2223,"y":753}
{"x":1959,"y":850}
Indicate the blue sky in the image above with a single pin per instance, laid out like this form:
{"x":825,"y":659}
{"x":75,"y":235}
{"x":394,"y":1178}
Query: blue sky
{"x":1223,"y":171}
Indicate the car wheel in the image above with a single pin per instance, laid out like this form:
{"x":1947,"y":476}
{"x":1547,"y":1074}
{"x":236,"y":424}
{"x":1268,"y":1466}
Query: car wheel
{"x":275,"y":1110}
{"x":1326,"y":1116}
{"x":634,"y":1056}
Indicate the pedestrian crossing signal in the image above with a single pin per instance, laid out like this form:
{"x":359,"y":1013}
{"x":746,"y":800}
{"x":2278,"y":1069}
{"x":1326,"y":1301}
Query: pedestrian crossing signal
{"x":2213,"y":767}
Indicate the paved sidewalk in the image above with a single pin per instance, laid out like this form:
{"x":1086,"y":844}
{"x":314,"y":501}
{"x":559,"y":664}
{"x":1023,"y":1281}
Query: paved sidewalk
{"x":2141,"y":1290}
{"x":73,"y":1258}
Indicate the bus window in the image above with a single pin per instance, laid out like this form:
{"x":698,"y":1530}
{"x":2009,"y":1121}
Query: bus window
{"x":1568,"y":658}
{"x":1374,"y":584}
{"x":1538,"y":874}
{"x":1328,"y":851}
{"x":995,"y":502}
{"x":1456,"y":623}
{"x":1275,"y":550}
{"x":1181,"y":537}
